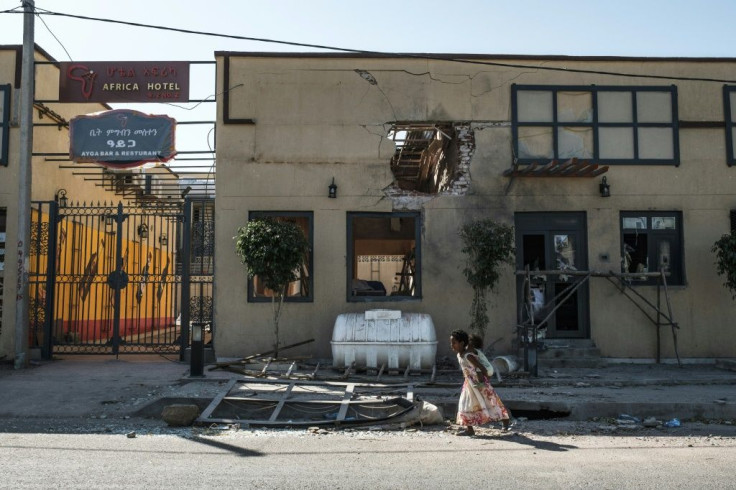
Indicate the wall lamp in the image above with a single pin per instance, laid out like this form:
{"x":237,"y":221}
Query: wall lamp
{"x":143,"y":230}
{"x":61,"y":198}
{"x":333,"y":189}
{"x":604,"y":188}
{"x":163,"y":239}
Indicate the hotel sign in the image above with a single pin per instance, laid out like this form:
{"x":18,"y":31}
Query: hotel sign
{"x":120,"y":81}
{"x":121,"y":138}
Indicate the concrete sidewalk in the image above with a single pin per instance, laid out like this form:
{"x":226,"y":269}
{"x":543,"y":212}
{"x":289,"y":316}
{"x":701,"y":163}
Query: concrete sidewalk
{"x":664,"y":391}
{"x":101,"y":387}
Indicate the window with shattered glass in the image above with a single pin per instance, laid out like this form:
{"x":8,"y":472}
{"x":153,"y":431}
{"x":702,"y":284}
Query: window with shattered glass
{"x":652,"y":242}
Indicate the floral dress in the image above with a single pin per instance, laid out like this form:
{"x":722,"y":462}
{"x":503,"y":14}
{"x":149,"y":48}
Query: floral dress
{"x":479,"y":403}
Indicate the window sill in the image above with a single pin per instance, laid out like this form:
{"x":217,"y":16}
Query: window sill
{"x":286,"y":300}
{"x":382,"y":299}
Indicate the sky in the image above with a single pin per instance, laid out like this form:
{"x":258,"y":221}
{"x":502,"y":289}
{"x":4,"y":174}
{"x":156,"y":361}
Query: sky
{"x":682,"y":28}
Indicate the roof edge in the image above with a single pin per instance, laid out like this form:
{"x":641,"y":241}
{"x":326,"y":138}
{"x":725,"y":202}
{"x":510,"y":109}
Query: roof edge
{"x":469,"y":56}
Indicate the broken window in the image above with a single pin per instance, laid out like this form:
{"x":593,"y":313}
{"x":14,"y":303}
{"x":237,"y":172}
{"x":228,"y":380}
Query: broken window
{"x":426,"y":157}
{"x":301,"y":289}
{"x":652,"y":242}
{"x":600,"y":124}
{"x":384,"y":256}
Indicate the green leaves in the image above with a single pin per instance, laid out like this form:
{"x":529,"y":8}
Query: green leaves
{"x":725,"y":250}
{"x":487,"y":245}
{"x":273,"y":250}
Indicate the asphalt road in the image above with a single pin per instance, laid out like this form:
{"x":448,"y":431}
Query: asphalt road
{"x":364,"y":459}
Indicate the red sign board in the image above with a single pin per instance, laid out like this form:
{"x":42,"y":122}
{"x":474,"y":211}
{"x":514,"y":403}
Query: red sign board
{"x":121,"y":138}
{"x":124,"y":81}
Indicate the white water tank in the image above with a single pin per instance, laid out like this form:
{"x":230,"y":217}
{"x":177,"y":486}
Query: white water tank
{"x":384,"y":337}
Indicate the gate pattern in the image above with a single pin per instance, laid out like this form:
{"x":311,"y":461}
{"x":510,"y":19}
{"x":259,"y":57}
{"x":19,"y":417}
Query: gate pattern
{"x":110,"y":279}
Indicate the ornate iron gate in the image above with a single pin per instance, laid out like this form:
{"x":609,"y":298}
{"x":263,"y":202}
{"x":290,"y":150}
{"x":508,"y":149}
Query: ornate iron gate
{"x":111,"y":279}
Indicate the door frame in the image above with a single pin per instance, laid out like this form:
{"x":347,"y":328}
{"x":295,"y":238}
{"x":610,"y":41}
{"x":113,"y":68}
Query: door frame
{"x":550,"y":223}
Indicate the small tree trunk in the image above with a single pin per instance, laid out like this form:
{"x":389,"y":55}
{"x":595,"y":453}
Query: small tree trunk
{"x":479,"y":312}
{"x":276,"y":305}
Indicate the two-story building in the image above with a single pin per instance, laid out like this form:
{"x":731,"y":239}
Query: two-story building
{"x":601,"y":164}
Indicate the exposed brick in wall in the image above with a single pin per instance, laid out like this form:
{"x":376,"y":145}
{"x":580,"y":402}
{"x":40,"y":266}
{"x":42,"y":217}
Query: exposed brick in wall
{"x":405,"y":200}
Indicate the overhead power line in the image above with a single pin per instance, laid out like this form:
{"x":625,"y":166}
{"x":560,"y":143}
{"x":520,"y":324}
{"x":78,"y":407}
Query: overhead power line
{"x":382,"y":54}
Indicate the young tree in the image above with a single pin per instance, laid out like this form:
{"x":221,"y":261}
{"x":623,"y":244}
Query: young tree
{"x":274,"y":251}
{"x":725,"y":250}
{"x":487,"y":245}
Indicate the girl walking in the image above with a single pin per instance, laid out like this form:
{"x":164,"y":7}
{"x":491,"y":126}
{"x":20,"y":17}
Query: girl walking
{"x":479,"y":404}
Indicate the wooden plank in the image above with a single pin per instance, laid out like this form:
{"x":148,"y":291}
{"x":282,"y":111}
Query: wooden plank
{"x":262,"y":354}
{"x":572,"y":169}
{"x":529,"y":169}
{"x":598,"y":171}
{"x":345,"y":402}
{"x":560,"y":167}
{"x":550,"y":165}
{"x":585,"y":169}
{"x":280,"y":405}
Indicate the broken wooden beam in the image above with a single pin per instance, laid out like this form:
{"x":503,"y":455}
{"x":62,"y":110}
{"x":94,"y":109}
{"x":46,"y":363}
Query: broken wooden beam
{"x":244,"y":360}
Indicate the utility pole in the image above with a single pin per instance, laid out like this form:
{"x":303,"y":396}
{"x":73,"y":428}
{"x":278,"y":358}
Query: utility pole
{"x":27,"y":89}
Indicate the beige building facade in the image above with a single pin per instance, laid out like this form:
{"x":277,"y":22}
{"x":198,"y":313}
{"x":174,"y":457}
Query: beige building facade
{"x":418,"y":145}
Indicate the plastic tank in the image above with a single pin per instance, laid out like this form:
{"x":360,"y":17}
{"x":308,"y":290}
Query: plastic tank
{"x":384,"y":337}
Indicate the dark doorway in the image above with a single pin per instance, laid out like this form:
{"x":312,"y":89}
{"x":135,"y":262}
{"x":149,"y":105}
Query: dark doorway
{"x":554,"y":242}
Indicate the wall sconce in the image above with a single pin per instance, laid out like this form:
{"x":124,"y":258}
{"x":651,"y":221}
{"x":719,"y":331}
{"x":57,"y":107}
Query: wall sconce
{"x":333,"y":189}
{"x":604,"y":188}
{"x":163,"y":239}
{"x":61,"y":198}
{"x":143,"y":230}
